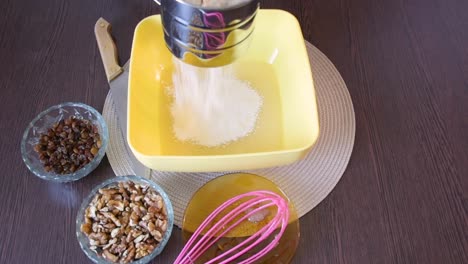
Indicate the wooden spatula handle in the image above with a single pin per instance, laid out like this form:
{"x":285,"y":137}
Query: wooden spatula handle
{"x":107,"y":48}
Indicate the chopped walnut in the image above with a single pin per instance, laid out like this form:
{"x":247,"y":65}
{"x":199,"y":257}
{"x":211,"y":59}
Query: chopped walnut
{"x":126,"y":222}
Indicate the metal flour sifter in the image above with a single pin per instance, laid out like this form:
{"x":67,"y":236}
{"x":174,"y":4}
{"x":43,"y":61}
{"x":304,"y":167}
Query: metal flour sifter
{"x":208,"y":36}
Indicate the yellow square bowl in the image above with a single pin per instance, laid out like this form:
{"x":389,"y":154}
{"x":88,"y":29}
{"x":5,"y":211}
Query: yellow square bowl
{"x":277,"y":67}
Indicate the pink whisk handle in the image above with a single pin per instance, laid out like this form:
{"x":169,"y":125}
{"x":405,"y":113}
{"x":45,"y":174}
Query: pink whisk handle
{"x":258,"y":201}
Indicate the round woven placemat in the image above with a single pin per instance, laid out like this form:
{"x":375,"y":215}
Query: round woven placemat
{"x":306,"y":183}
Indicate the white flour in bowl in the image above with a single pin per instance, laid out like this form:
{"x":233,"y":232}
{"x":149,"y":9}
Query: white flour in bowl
{"x":211,"y":107}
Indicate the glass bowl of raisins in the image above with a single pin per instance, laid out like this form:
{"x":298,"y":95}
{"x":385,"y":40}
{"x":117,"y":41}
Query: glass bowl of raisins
{"x":65,"y":142}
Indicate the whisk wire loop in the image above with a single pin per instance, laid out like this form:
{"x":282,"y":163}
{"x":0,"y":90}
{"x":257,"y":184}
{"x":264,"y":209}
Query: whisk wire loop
{"x":258,"y":202}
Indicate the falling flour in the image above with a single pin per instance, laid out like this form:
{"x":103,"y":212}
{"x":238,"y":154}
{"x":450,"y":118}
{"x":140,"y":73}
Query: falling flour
{"x":211,"y":107}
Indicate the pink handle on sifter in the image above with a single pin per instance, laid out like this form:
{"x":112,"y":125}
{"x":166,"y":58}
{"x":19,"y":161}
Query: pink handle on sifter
{"x":264,"y":199}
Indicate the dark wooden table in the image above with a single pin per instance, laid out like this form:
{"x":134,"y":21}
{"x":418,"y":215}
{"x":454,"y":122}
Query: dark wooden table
{"x":404,"y":196}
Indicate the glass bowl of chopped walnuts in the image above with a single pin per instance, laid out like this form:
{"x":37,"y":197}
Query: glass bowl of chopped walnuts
{"x":126,"y":219}
{"x":65,"y":142}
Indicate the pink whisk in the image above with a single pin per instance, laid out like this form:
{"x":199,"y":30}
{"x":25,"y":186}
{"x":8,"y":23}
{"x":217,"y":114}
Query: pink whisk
{"x":259,"y":200}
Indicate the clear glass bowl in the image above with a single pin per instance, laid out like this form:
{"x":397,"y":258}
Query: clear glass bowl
{"x":83,"y":239}
{"x":43,"y":122}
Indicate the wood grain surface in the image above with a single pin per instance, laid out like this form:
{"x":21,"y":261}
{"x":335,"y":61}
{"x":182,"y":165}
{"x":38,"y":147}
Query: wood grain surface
{"x":404,"y":196}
